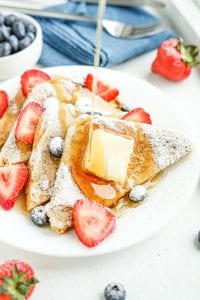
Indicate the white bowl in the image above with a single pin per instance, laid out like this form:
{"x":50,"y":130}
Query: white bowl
{"x":17,"y":63}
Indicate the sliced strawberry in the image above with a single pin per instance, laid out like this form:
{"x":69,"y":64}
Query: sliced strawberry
{"x":105,"y":91}
{"x":92,"y":222}
{"x":3,"y":102}
{"x":31,"y":78}
{"x":27,"y":122}
{"x":138,"y":115}
{"x":12,"y":181}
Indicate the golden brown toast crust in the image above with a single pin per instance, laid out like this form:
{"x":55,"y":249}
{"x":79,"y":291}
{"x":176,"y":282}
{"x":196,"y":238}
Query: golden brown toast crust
{"x":140,"y":169}
{"x":10,"y":116}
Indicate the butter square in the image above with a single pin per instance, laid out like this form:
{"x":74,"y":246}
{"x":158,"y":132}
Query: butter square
{"x":108,"y":156}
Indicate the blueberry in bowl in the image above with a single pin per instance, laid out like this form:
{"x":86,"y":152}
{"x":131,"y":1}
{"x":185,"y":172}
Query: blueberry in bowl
{"x":20,"y":43}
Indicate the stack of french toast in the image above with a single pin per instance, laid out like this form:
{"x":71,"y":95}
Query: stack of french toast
{"x":76,"y":154}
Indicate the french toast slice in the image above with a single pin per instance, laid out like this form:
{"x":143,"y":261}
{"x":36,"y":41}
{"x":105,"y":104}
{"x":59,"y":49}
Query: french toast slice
{"x":10,"y":115}
{"x":42,"y":164}
{"x":68,"y":91}
{"x":58,"y":115}
{"x":65,"y":192}
{"x":154,"y":150}
{"x":13,"y":151}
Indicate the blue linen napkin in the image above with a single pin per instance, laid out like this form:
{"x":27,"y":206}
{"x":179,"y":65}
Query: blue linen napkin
{"x":67,"y":43}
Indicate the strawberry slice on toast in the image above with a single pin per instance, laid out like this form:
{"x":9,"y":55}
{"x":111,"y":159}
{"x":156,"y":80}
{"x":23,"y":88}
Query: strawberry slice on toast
{"x":92,"y":222}
{"x":105,"y":91}
{"x":3,"y":102}
{"x":12,"y":181}
{"x":31,"y":78}
{"x":138,"y":115}
{"x":27,"y":122}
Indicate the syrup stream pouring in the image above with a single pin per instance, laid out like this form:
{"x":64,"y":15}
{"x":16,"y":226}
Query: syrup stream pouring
{"x":99,"y":31}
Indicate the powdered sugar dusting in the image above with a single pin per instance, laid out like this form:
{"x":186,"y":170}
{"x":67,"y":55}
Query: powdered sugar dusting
{"x":168,"y":146}
{"x":52,"y":127}
{"x":83,"y":105}
{"x":41,"y":92}
{"x":10,"y":151}
{"x":13,"y":106}
{"x":44,"y":185}
{"x":50,"y":118}
{"x":69,"y":85}
{"x":114,"y":124}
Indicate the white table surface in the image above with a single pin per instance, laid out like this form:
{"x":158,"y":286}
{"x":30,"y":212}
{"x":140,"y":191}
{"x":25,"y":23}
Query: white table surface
{"x":165,"y":267}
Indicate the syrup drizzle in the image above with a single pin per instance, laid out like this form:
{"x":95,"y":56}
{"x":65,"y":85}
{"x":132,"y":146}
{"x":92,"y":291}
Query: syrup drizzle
{"x":99,"y":31}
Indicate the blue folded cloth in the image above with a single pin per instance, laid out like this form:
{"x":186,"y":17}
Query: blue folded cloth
{"x":67,"y":43}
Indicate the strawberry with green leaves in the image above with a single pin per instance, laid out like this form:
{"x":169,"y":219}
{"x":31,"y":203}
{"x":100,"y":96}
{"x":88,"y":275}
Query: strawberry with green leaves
{"x":175,"y":60}
{"x":17,"y":280}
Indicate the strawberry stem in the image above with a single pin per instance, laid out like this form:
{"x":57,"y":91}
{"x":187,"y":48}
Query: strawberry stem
{"x":17,"y":286}
{"x":189,"y":53}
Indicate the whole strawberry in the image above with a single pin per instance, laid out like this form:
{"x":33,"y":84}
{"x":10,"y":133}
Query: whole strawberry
{"x":17,"y":280}
{"x":175,"y":60}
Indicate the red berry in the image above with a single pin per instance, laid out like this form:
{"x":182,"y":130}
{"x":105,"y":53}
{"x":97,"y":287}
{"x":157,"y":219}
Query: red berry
{"x":138,"y":115}
{"x":3,"y":102}
{"x":175,"y":60}
{"x":27,"y":122}
{"x":105,"y":91}
{"x":5,"y":297}
{"x":12,"y":181}
{"x":31,"y":78}
{"x":92,"y":222}
{"x":21,"y":281}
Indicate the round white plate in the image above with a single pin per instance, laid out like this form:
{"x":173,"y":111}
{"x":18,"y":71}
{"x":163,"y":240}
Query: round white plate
{"x":166,"y":199}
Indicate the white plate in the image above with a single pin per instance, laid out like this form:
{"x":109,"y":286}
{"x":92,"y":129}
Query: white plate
{"x":166,"y":199}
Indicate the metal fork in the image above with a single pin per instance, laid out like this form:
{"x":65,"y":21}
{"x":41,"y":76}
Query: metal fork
{"x":114,"y":28}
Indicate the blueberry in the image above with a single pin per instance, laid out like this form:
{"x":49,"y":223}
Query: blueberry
{"x":9,"y":29}
{"x":1,"y":35}
{"x":56,"y":146}
{"x":115,"y":291}
{"x":30,"y":28}
{"x":4,"y":33}
{"x":31,"y":35}
{"x":18,"y":29}
{"x":10,"y":19}
{"x":24,"y":43}
{"x":5,"y":49}
{"x":2,"y":19}
{"x":14,"y":42}
{"x":124,"y":107}
{"x":138,"y":193}
{"x":1,"y":49}
{"x":39,"y":216}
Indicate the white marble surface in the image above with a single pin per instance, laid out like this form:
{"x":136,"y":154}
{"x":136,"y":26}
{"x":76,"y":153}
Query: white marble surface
{"x":167,"y":266}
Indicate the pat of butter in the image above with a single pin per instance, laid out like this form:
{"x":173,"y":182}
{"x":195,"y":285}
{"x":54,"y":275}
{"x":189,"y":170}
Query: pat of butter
{"x":109,"y":155}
